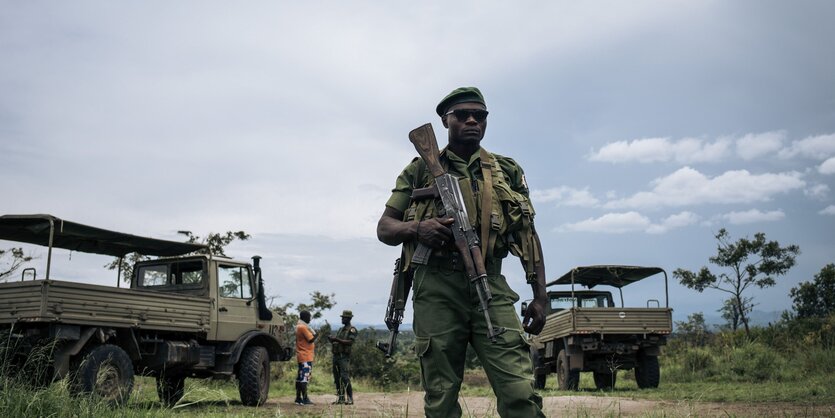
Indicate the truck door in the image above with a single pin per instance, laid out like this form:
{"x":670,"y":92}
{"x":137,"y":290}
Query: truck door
{"x":236,"y":311}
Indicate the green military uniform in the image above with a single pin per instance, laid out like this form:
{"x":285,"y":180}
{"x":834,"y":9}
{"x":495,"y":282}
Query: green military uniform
{"x":447,"y":313}
{"x":342,"y":361}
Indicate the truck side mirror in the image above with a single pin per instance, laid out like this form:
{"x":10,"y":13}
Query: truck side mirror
{"x":524,"y":308}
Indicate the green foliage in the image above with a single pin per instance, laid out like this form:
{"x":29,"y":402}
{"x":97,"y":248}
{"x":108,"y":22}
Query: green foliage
{"x":319,"y":304}
{"x":699,"y":361}
{"x":11,"y":260}
{"x":694,"y":330}
{"x":750,"y":263}
{"x":816,"y":298}
{"x":756,"y":362}
{"x":367,"y":361}
{"x":216,"y":242}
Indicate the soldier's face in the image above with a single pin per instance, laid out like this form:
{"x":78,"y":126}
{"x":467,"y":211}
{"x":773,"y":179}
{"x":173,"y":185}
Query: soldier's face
{"x":346,"y":320}
{"x":469,"y":130}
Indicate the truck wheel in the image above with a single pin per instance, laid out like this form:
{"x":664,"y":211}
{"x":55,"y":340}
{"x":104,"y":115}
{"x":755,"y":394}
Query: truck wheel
{"x":569,"y":380}
{"x":107,"y":373}
{"x":254,"y":376}
{"x":539,"y":377}
{"x":170,"y":389}
{"x":605,"y":381}
{"x":647,"y":372}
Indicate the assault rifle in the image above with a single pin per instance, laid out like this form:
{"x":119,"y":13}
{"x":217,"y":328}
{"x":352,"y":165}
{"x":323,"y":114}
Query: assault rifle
{"x":466,"y":239}
{"x":400,"y":286}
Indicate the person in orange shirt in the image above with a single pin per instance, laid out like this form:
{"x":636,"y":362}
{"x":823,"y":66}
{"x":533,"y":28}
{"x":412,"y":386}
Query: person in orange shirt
{"x":305,"y":337}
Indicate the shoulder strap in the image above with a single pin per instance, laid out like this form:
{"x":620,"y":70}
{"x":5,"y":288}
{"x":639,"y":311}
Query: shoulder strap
{"x":486,"y":199}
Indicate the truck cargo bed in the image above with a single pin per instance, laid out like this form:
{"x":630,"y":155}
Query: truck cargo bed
{"x":55,"y":301}
{"x":609,"y":321}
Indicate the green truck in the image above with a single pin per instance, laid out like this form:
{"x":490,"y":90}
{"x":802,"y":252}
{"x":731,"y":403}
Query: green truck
{"x":184,"y":315}
{"x":585,"y":331}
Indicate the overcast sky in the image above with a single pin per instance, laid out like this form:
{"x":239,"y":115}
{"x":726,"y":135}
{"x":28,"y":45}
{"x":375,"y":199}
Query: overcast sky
{"x":643,"y":128}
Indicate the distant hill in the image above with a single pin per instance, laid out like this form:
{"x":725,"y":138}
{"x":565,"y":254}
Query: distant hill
{"x":756,"y":318}
{"x":403,"y":327}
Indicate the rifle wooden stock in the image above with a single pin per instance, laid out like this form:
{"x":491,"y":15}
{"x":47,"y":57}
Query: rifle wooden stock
{"x":423,"y":138}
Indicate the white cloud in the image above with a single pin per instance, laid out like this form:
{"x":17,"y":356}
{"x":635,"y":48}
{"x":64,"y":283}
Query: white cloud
{"x":828,"y":166}
{"x":565,"y":196}
{"x":752,"y":146}
{"x":618,"y":223}
{"x":678,"y":220}
{"x":753,"y":216}
{"x":817,"y":191}
{"x":613,"y":223}
{"x":686,"y":150}
{"x":829,"y":210}
{"x":690,"y":150}
{"x":688,"y":186}
{"x":816,"y":147}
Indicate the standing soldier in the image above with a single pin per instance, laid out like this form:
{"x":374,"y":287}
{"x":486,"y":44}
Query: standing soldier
{"x":342,"y":359}
{"x":447,"y":315}
{"x":305,"y":348}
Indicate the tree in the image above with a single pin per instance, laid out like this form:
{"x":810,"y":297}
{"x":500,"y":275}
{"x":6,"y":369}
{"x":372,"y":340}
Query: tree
{"x":16,"y":260}
{"x":730,"y":312}
{"x":320,"y":303}
{"x":816,"y":298}
{"x":694,"y":330}
{"x":752,"y":263}
{"x":215,"y":242}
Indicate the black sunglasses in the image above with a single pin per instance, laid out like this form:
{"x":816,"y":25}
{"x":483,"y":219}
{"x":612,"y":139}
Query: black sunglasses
{"x":463,"y":114}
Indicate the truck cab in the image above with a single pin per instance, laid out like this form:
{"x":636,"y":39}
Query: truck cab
{"x":231,"y":285}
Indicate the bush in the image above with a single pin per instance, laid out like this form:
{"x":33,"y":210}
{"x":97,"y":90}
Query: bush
{"x":756,"y":362}
{"x":699,"y":361}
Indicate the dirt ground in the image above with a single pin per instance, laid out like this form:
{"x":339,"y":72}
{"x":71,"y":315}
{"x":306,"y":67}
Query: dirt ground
{"x":397,"y":405}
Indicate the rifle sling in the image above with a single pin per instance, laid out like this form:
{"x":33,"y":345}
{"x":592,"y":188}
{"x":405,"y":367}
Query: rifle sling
{"x":486,"y":200}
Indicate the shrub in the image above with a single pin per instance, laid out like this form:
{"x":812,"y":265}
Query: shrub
{"x":756,"y":362}
{"x":699,"y":361}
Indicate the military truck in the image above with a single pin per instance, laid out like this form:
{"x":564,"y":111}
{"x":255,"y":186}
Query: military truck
{"x":184,"y":315}
{"x":586,"y":332}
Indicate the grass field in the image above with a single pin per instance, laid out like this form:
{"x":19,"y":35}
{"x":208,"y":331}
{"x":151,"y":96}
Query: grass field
{"x":729,"y":376}
{"x":205,"y":398}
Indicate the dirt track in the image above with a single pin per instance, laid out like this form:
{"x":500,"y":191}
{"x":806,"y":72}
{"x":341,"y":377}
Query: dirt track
{"x":397,"y":404}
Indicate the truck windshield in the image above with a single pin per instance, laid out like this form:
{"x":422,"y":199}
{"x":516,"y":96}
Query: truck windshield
{"x":189,"y":273}
{"x":585,"y":301}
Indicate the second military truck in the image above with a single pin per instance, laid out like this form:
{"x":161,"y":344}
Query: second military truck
{"x":183,"y":316}
{"x":585,"y":331}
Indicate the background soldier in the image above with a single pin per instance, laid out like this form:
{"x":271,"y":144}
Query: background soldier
{"x":446,"y":305}
{"x":305,"y":336}
{"x":342,"y":359}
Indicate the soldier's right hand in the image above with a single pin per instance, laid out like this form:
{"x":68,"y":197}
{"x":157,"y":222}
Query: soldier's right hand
{"x":435,"y":232}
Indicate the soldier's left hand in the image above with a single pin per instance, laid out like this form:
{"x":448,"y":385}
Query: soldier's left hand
{"x":534,"y":319}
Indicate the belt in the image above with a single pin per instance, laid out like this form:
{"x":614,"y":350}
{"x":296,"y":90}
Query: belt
{"x":454,"y":263}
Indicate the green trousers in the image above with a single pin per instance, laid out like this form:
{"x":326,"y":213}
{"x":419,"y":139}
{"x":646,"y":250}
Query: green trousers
{"x":447,"y":318}
{"x":342,"y":375}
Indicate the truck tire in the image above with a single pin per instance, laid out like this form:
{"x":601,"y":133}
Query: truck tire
{"x":170,"y":389}
{"x":105,"y":372}
{"x":647,"y":371}
{"x":539,"y":377}
{"x":605,"y":381}
{"x":254,"y":376}
{"x":568,"y":380}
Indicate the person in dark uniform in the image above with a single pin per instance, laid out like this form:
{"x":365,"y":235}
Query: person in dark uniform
{"x":447,"y":315}
{"x":341,"y":348}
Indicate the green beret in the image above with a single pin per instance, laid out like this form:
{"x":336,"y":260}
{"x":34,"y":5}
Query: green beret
{"x":347,"y":314}
{"x":460,"y":95}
